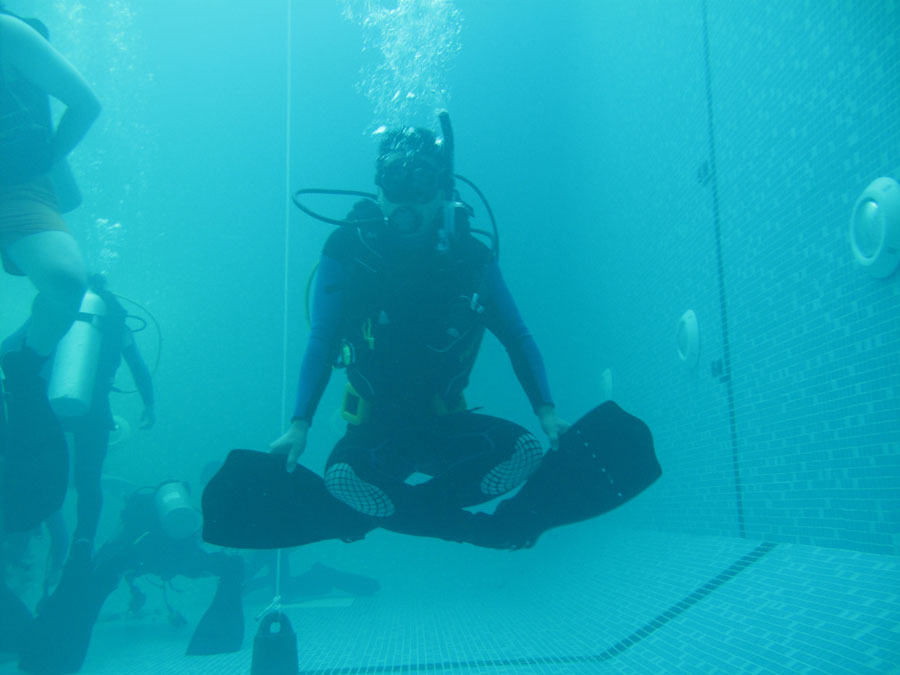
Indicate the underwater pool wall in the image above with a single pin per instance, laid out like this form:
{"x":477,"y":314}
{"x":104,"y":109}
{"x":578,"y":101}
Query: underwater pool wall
{"x":816,"y":339}
{"x":795,"y":437}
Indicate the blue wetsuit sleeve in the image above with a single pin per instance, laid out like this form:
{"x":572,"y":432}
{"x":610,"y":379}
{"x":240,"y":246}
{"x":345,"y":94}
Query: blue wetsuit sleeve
{"x":315,"y":370}
{"x":504,"y":321}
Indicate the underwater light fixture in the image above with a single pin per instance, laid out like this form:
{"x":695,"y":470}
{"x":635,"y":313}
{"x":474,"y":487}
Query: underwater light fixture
{"x":875,"y":227}
{"x":121,"y":432}
{"x":688,"y":339}
{"x":606,"y":385}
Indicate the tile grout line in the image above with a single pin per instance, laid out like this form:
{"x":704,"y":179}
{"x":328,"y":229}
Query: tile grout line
{"x":635,"y":637}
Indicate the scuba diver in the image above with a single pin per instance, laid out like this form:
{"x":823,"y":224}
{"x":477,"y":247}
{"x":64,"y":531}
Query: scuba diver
{"x":36,"y":187}
{"x":157,"y":535}
{"x":91,"y":429}
{"x":406,"y":303}
{"x":81,"y":376}
{"x":403,"y":294}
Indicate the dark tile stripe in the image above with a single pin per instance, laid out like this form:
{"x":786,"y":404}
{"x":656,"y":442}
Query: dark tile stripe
{"x":644,"y":631}
{"x":720,"y":273}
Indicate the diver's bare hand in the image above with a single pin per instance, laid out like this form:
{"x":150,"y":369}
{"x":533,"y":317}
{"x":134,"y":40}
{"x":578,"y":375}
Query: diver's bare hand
{"x":552,"y":424}
{"x":292,"y":443}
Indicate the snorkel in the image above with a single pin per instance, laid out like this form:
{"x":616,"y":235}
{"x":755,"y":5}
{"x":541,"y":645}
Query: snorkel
{"x":447,"y":230}
{"x":448,"y":147}
{"x":454,"y":209}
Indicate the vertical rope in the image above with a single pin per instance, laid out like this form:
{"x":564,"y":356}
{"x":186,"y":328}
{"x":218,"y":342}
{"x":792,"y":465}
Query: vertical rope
{"x":287,"y":221}
{"x":287,"y":254}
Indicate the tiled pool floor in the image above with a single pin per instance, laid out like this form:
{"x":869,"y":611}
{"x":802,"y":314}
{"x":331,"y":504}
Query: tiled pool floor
{"x":651,"y":602}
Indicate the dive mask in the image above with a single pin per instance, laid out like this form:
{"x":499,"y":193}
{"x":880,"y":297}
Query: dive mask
{"x":409,"y":180}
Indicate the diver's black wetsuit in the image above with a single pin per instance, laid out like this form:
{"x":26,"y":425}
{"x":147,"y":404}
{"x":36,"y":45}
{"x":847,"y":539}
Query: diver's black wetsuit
{"x":90,"y":432}
{"x":408,"y":328}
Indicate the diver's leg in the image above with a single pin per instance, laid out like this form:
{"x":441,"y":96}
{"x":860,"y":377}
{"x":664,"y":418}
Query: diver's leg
{"x":53,"y":263}
{"x":91,"y":439}
{"x":363,"y":463}
{"x":367,"y":471}
{"x":474,"y":458}
{"x":396,"y":506}
{"x":470,"y":459}
{"x":59,"y":549}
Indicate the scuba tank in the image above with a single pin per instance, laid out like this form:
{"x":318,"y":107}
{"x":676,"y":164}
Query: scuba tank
{"x":177,"y":516}
{"x":73,"y":378}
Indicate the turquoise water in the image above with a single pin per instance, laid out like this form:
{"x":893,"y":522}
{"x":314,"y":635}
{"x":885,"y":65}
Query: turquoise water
{"x":643,"y":158}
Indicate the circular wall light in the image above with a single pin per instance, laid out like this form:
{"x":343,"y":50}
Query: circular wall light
{"x":121,"y":432}
{"x":875,"y":227}
{"x":687,"y":339}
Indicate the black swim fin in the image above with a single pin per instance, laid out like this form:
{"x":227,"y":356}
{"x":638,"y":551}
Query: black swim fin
{"x":36,"y":460}
{"x":604,"y":459}
{"x":252,"y":502}
{"x":57,"y":641}
{"x":221,"y":629}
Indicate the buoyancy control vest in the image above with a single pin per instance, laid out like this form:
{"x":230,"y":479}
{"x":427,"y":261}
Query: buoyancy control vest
{"x":412,"y":326}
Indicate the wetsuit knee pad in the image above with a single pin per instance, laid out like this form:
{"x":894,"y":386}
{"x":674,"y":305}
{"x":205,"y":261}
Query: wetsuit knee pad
{"x":343,"y":483}
{"x":525,"y":458}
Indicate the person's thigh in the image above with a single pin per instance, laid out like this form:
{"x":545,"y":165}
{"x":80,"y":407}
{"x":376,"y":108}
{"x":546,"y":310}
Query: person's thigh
{"x":364,"y":466}
{"x":379,"y":454}
{"x":463,"y":458}
{"x":50,"y":259}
